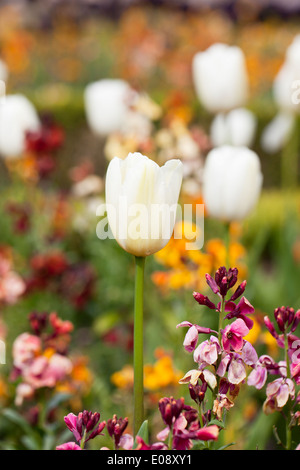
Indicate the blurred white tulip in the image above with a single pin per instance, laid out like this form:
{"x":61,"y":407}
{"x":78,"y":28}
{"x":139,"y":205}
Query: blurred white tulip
{"x":286,"y":92}
{"x":3,"y":71}
{"x":277,"y":132}
{"x":232,"y":182}
{"x":287,"y":77}
{"x":141,"y":202}
{"x":17,"y":116}
{"x":220,"y":77}
{"x":234,"y":128}
{"x":107,"y":103}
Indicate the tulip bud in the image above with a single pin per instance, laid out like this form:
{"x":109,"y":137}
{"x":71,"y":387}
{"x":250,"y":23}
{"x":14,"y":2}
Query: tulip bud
{"x":141,"y":202}
{"x":232,"y":182}
{"x":17,"y":117}
{"x":107,"y":103}
{"x":220,"y":78}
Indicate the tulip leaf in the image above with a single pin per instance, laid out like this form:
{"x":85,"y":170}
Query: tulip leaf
{"x":143,"y":433}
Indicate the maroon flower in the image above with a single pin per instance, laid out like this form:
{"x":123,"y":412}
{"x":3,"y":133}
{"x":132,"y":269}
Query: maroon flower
{"x":116,"y":427}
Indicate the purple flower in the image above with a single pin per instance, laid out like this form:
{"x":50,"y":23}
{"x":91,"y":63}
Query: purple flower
{"x":204,"y":300}
{"x":241,"y":310}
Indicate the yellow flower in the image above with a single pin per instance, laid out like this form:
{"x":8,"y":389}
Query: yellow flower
{"x":159,"y":375}
{"x":123,"y":378}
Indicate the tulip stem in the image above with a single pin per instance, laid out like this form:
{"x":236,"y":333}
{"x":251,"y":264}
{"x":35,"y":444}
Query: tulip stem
{"x":289,"y":160}
{"x":227,"y":244}
{"x":138,"y":349}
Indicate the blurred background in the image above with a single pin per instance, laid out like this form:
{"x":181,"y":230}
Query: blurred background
{"x":52,"y":180}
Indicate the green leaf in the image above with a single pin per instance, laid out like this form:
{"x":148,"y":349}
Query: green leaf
{"x":56,"y":401}
{"x":227,"y":445}
{"x":15,"y":418}
{"x":217,"y":422}
{"x":31,"y":440}
{"x":143,"y":433}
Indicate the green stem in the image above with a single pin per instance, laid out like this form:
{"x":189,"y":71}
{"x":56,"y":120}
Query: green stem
{"x":288,"y":405}
{"x":289,"y":160}
{"x":82,"y":442}
{"x":138,"y":352}
{"x":221,"y":320}
{"x":227,"y":244}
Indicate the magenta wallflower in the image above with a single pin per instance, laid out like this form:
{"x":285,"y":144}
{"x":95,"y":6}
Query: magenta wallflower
{"x":232,"y":335}
{"x":241,"y":310}
{"x":71,"y":422}
{"x":68,"y":446}
{"x":85,"y":426}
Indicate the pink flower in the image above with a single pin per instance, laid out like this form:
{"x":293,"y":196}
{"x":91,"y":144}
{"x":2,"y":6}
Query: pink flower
{"x":86,"y":425}
{"x":127,"y":441}
{"x":232,"y":335}
{"x":44,"y":372}
{"x":71,"y":422}
{"x":191,"y":339}
{"x":141,"y":445}
{"x":278,"y":393}
{"x":208,"y":351}
{"x":23,"y":391}
{"x":68,"y":446}
{"x":257,"y":378}
{"x":25,"y":348}
{"x":295,"y":371}
{"x":12,"y":287}
{"x":236,"y":371}
{"x":208,"y":433}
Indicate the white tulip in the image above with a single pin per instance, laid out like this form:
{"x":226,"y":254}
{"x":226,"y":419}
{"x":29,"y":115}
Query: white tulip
{"x":286,"y":92}
{"x":220,"y":77}
{"x":3,"y":71}
{"x":232,"y":182}
{"x":287,"y":77}
{"x":234,"y":128}
{"x":107,"y":103}
{"x":141,"y":202}
{"x":17,"y":116}
{"x":277,"y":132}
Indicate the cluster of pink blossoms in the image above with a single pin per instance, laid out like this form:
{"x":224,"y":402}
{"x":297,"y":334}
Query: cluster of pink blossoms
{"x":223,"y":361}
{"x":182,"y":429}
{"x":224,"y":358}
{"x":39,"y":359}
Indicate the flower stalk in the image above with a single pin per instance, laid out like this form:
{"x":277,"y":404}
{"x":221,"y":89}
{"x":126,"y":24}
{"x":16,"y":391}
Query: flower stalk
{"x":138,"y":353}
